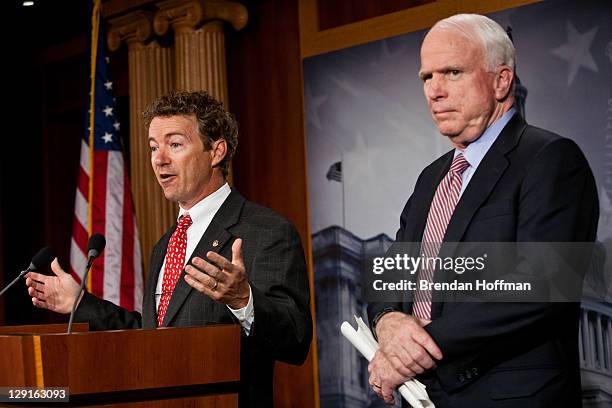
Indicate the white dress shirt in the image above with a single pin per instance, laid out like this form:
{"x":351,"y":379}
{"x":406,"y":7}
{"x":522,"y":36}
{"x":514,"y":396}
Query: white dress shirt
{"x":201,"y":215}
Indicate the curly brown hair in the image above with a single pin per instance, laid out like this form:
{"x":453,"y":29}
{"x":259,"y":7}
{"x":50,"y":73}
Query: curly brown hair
{"x":214,"y":122}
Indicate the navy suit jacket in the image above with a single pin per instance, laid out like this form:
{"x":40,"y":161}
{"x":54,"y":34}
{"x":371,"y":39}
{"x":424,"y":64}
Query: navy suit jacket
{"x":531,"y":186}
{"x":276,"y":267}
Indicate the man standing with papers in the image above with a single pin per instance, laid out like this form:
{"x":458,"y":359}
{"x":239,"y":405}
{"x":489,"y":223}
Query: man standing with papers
{"x":504,"y":181}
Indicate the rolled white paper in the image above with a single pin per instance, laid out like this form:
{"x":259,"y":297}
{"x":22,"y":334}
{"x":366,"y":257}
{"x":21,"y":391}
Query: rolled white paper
{"x":363,"y":340}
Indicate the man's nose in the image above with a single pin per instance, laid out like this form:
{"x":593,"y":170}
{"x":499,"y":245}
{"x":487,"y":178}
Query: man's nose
{"x":435,"y":87}
{"x":160,"y":157}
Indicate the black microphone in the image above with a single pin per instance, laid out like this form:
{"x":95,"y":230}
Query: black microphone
{"x":95,"y":246}
{"x":40,"y":260}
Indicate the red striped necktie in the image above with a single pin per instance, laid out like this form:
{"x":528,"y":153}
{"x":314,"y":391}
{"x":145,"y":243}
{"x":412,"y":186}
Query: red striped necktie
{"x":175,"y":261}
{"x":442,"y":208}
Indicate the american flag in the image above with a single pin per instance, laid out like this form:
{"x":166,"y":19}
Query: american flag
{"x":103,"y":202}
{"x":335,"y":172}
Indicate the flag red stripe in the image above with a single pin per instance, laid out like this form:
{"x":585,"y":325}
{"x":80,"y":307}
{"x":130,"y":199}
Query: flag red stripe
{"x":99,"y":217}
{"x":79,"y":234}
{"x":127,"y":260}
{"x":83,"y":185}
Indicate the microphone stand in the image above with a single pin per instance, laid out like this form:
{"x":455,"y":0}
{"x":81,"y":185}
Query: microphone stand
{"x":81,"y":290}
{"x":21,"y":275}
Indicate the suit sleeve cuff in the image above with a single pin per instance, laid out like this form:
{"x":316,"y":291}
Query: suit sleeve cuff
{"x":245,"y":315}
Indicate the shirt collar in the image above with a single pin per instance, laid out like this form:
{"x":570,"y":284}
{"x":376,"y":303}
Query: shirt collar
{"x":475,"y":151}
{"x":209,"y":204}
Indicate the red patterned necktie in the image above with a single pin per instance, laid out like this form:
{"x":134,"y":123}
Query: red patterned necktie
{"x":175,"y":261}
{"x":442,"y":208}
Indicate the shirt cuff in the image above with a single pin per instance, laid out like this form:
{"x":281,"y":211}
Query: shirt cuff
{"x":245,"y":315}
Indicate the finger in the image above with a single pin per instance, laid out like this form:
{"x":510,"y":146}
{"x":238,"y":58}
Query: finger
{"x":219,"y":260}
{"x":36,"y":277}
{"x":56,"y":268}
{"x":38,"y":286}
{"x":39,"y":303}
{"x":205,"y":288}
{"x":376,"y":388}
{"x":422,"y":359}
{"x":373,"y":378}
{"x":36,"y":293}
{"x":237,"y":252}
{"x":205,"y":268}
{"x":424,"y":339}
{"x":405,"y":369}
{"x":387,"y":394}
{"x":200,"y":280}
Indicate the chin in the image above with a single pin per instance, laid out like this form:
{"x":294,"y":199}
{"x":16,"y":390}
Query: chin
{"x":448,"y":131}
{"x":169,"y":196}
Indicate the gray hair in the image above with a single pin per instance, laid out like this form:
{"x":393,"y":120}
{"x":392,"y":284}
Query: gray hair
{"x":497,"y":47}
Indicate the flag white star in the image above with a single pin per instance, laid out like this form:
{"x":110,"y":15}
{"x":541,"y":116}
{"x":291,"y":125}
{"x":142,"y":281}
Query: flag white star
{"x":107,"y":59}
{"x":577,"y":51}
{"x":108,"y":111}
{"x":108,"y":137}
{"x":108,"y":85}
{"x":117,"y":125}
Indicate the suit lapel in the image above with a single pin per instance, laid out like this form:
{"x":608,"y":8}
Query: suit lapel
{"x":484,"y":180}
{"x":226,"y":217}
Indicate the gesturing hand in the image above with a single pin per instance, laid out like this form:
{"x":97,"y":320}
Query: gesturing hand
{"x":223,"y":281}
{"x":56,"y":293}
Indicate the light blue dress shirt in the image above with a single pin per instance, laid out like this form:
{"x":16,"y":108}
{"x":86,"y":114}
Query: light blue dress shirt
{"x":475,"y":151}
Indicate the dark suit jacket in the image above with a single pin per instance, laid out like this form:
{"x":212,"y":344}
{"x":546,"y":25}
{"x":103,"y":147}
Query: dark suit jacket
{"x":531,"y":186}
{"x":276,"y":267}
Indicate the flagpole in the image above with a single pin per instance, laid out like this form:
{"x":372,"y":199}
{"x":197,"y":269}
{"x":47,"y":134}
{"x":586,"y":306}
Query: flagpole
{"x":342,"y":181}
{"x":95,"y":29}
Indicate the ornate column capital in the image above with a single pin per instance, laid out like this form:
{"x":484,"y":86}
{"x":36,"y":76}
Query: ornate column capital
{"x":134,"y":28}
{"x":190,"y":14}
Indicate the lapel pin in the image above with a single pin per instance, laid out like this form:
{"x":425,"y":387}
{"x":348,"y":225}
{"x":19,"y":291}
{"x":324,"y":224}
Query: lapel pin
{"x":216,"y":243}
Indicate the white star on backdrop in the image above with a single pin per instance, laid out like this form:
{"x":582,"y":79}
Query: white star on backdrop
{"x":577,"y":51}
{"x":108,"y":137}
{"x":387,"y":57}
{"x":347,"y":86}
{"x":108,"y":85}
{"x":117,"y":125}
{"x":312,"y":108}
{"x":108,"y":111}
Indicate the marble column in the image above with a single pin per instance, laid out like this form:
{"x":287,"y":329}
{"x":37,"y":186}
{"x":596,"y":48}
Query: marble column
{"x":600,"y":363}
{"x":151,"y":74}
{"x":199,"y":41}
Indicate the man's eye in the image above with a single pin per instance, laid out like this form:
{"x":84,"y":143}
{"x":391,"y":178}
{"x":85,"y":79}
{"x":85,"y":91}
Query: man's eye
{"x":426,"y":77}
{"x":454,"y":73}
{"x":175,"y":145}
{"x":153,"y":148}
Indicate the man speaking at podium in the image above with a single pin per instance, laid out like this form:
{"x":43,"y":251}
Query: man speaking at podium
{"x":245,"y":262}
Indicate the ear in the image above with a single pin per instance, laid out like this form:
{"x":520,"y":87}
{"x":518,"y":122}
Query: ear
{"x":219,"y":150}
{"x":503,"y":82}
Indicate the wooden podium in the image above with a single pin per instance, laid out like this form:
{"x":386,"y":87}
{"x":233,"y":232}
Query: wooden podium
{"x":195,"y":367}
